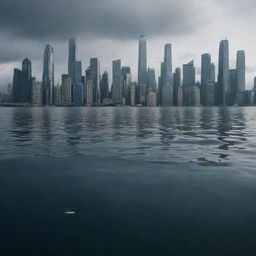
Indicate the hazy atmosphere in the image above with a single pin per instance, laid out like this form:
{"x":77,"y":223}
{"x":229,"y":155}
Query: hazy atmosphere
{"x":110,"y":30}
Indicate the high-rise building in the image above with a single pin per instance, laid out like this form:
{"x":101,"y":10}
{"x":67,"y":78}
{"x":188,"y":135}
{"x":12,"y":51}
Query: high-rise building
{"x":142,"y":65}
{"x":223,"y":75}
{"x":233,"y":85}
{"x":58,"y":94}
{"x":240,"y":68}
{"x":126,"y":81}
{"x":133,"y":94}
{"x":209,"y":93}
{"x":212,"y":72}
{"x":117,"y":94}
{"x":79,"y":94}
{"x":206,"y":67}
{"x":72,"y":60}
{"x":20,"y":83}
{"x":254,"y":82}
{"x":48,"y":76}
{"x":66,"y":90}
{"x":167,"y":78}
{"x":37,"y":93}
{"x":95,"y":72}
{"x":189,"y":78}
{"x":27,"y":69}
{"x":104,"y":86}
{"x":151,"y":80}
{"x":177,"y":88}
{"x":89,"y":87}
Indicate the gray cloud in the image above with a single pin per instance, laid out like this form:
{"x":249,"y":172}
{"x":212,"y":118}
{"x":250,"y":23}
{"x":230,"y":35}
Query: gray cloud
{"x":58,"y":19}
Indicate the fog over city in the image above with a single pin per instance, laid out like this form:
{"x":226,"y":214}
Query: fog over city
{"x":110,"y":30}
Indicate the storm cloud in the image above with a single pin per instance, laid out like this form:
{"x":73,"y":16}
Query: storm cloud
{"x":109,"y":29}
{"x":58,"y":19}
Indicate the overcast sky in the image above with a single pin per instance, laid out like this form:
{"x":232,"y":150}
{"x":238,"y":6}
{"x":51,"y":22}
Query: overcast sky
{"x":109,"y":29}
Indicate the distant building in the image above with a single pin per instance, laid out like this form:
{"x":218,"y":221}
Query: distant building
{"x":151,"y":99}
{"x":27,"y":69}
{"x":79,"y":94}
{"x":240,"y":69}
{"x":48,"y":76}
{"x":58,"y":95}
{"x":142,"y":63}
{"x":20,"y":89}
{"x":66,"y":90}
{"x":167,"y":77}
{"x":37,"y":93}
{"x":206,"y":67}
{"x":72,"y":60}
{"x":89,"y":87}
{"x":133,"y":94}
{"x":209,"y":94}
{"x":189,"y":80}
{"x":177,"y":89}
{"x":233,"y":85}
{"x":95,"y":72}
{"x":223,"y":94}
{"x":104,"y":86}
{"x":117,"y":95}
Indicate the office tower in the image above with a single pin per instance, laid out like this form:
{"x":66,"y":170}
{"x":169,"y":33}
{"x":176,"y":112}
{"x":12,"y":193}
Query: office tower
{"x":240,"y":68}
{"x":78,"y":71}
{"x":79,"y":94}
{"x":72,"y":59}
{"x":89,"y":87}
{"x":189,"y":78}
{"x":133,"y":94}
{"x":167,"y":78}
{"x":20,"y":83}
{"x":58,"y":94}
{"x":142,"y":65}
{"x":193,"y":96}
{"x":104,"y":86}
{"x":189,"y":74}
{"x":117,"y":95}
{"x":212,"y":73}
{"x":209,"y":94}
{"x":223,"y":75}
{"x":66,"y":90}
{"x":233,"y":85}
{"x":206,"y":67}
{"x":37,"y":93}
{"x":95,"y":73}
{"x":126,"y":81}
{"x":48,"y":76}
{"x":177,"y":88}
{"x":27,"y":69}
{"x":151,"y":80}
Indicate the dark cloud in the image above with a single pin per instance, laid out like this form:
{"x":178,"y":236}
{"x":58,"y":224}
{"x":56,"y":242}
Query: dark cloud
{"x":58,"y":19}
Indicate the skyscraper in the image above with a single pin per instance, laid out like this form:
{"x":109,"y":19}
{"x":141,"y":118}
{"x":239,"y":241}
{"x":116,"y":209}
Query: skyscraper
{"x":177,"y":89}
{"x":142,"y":65}
{"x":233,"y":85}
{"x":66,"y":90}
{"x":104,"y":86}
{"x":27,"y":70}
{"x":20,"y":83}
{"x":72,"y":59}
{"x":37,"y":93}
{"x":240,"y":68}
{"x":48,"y":76}
{"x":205,"y":74}
{"x":167,"y":78}
{"x":151,"y":80}
{"x":189,"y":77}
{"x":89,"y":87}
{"x":95,"y":73}
{"x":117,"y":85}
{"x":223,"y":75}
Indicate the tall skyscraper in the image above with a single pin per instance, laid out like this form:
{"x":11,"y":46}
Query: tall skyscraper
{"x":72,"y":59}
{"x":167,"y":78}
{"x":151,"y":80}
{"x":95,"y":72}
{"x":48,"y":76}
{"x":117,"y":85}
{"x":177,"y":88}
{"x":104,"y":86}
{"x":20,"y":83}
{"x":189,"y":74}
{"x":89,"y":87}
{"x":66,"y":90}
{"x":142,"y":65}
{"x":27,"y":69}
{"x":212,"y":72}
{"x":223,"y":75}
{"x":37,"y":93}
{"x":240,"y":68}
{"x":205,"y":74}
{"x":233,"y":85}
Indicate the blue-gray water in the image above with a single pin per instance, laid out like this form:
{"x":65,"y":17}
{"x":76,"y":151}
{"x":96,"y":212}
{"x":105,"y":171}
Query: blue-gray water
{"x":142,"y":181}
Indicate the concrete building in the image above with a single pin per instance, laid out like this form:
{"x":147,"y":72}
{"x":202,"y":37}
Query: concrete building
{"x":36,"y":93}
{"x":167,"y":78}
{"x":66,"y":90}
{"x":240,"y":71}
{"x":95,"y":72}
{"x":117,"y":83}
{"x":223,"y":94}
{"x":48,"y":76}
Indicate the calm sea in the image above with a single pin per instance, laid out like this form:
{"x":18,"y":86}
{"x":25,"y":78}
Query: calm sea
{"x":128,"y":181}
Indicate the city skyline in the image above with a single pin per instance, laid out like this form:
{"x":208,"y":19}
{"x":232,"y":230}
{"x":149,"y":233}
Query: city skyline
{"x":212,"y":21}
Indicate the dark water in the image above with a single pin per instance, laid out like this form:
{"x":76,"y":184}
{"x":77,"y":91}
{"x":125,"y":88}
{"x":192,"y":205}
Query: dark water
{"x":142,"y":181}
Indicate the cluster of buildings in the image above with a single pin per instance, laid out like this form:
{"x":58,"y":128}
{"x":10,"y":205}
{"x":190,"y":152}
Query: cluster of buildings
{"x":178,"y":88}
